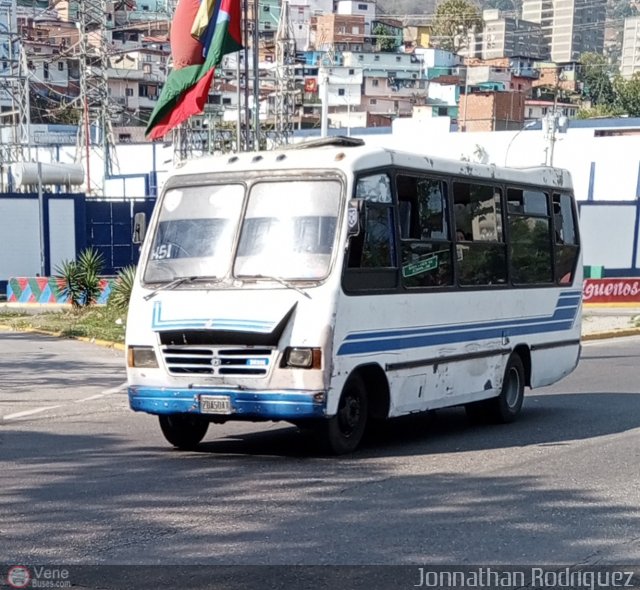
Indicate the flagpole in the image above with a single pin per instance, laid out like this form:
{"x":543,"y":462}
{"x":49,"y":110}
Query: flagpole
{"x":247,"y":118}
{"x":239,"y":110}
{"x":256,"y":75}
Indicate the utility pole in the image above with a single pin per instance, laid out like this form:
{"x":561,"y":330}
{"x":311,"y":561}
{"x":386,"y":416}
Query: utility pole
{"x":94,"y":95}
{"x":285,"y":77}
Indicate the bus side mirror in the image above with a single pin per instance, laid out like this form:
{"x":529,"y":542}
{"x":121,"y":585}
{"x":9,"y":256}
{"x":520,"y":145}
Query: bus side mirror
{"x":353,"y":216}
{"x":139,"y":228}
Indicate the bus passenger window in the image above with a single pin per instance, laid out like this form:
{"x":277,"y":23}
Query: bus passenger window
{"x":566,"y":238}
{"x":426,"y":247}
{"x":482,"y":260}
{"x":529,"y":236}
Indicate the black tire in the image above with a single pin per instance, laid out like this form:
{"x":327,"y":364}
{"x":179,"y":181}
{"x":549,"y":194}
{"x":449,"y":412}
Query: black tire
{"x":184,"y":431}
{"x":506,"y":407}
{"x":344,"y":431}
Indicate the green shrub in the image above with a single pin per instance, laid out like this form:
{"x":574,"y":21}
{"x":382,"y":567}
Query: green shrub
{"x":121,"y":291}
{"x":79,"y":280}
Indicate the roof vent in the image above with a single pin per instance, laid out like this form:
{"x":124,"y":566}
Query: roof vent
{"x":335,"y":141}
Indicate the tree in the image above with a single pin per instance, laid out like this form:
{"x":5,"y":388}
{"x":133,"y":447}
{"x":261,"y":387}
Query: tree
{"x":628,"y":94}
{"x":385,"y":40}
{"x":594,"y":74}
{"x":600,"y":111}
{"x":452,"y":21}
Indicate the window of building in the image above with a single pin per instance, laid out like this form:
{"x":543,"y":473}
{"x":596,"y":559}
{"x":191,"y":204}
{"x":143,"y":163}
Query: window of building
{"x":266,"y":8}
{"x":61,"y":66}
{"x":425,"y":238}
{"x":363,"y":7}
{"x":146,"y":68}
{"x":355,"y":30}
{"x":45,"y":70}
{"x":360,"y":57}
{"x":398,"y":58}
{"x":480,"y":250}
{"x":226,"y":101}
{"x":128,"y":92}
{"x":373,"y":101}
{"x":351,"y":72}
{"x":340,"y":91}
{"x":529,"y":236}
{"x":375,"y":82}
{"x":376,"y":58}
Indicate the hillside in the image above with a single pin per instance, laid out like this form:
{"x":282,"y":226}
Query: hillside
{"x":407,"y":7}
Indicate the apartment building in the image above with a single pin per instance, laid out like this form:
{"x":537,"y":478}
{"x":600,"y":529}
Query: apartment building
{"x":568,"y":27}
{"x":504,"y":36}
{"x":491,"y":111}
{"x":630,"y":59}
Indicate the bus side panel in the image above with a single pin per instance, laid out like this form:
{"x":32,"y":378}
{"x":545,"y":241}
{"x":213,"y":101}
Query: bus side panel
{"x":552,"y":364}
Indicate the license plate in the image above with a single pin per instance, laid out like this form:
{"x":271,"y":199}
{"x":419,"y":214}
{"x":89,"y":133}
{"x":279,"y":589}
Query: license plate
{"x":215,"y":404}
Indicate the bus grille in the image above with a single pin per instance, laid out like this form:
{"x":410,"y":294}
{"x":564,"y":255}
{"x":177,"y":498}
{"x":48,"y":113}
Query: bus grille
{"x":205,"y":360}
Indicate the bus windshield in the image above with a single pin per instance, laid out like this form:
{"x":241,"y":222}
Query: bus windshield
{"x":287,"y":231}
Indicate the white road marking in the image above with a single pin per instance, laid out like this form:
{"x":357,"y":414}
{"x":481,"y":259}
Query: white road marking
{"x":117,"y":389}
{"x":24,"y":413}
{"x":29,"y":412}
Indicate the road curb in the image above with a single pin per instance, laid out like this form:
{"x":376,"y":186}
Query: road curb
{"x":98,"y":342}
{"x":612,"y":334}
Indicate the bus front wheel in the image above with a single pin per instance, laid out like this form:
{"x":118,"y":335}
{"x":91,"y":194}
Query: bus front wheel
{"x":344,"y":431}
{"x":184,"y":431}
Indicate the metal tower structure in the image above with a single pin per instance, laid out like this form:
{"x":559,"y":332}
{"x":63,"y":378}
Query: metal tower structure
{"x":285,"y":78}
{"x":94,"y":95}
{"x":15,"y":140}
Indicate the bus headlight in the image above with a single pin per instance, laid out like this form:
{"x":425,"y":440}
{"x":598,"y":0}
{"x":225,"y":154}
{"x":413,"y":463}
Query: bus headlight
{"x":303,"y":358}
{"x":143,"y":357}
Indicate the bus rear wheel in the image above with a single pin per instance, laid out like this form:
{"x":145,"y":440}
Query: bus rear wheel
{"x":344,"y":431}
{"x":184,"y":431}
{"x":506,"y":407}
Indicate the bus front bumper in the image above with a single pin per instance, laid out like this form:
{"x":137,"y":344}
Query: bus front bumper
{"x":232,"y":404}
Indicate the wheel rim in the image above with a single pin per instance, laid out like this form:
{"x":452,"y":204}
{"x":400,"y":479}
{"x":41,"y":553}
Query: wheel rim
{"x":349,"y":414}
{"x":512,"y":388}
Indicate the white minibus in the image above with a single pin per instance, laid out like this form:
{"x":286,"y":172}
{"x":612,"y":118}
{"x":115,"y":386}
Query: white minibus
{"x":335,"y":284}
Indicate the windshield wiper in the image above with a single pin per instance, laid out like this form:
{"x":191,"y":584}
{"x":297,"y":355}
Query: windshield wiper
{"x":170,"y":285}
{"x":280,"y":280}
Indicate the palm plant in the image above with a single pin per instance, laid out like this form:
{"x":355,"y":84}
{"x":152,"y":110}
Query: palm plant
{"x":79,"y":280}
{"x":121,"y":292}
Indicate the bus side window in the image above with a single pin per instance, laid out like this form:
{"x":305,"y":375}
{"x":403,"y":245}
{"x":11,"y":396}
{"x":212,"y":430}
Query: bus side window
{"x":565,"y":238}
{"x":426,"y":248}
{"x":529,"y":236}
{"x":482,"y":259}
{"x":371,"y":254}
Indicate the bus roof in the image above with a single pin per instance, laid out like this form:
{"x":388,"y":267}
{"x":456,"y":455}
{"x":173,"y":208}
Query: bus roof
{"x":353,"y":155}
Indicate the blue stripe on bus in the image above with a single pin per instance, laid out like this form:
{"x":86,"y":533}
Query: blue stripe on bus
{"x":238,"y":325}
{"x":563,"y":318}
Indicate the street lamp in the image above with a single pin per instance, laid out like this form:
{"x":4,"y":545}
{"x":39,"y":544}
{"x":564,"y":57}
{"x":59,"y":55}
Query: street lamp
{"x":528,"y":125}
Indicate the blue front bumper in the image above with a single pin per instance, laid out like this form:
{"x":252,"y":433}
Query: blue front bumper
{"x":257,"y":405}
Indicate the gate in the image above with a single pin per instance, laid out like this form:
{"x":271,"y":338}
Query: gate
{"x":110,"y":227}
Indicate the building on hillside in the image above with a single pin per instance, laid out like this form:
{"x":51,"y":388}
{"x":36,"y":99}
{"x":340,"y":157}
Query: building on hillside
{"x":537,"y":109}
{"x":417,"y":36}
{"x":630,"y":58}
{"x":364,"y":8}
{"x":301,"y":13}
{"x":568,"y":27}
{"x":491,"y":111}
{"x":339,"y":32}
{"x":558,"y":77}
{"x":504,"y":36}
{"x":387,"y":34}
{"x":135,"y":78}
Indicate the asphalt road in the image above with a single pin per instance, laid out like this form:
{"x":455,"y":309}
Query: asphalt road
{"x":87,"y":481}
